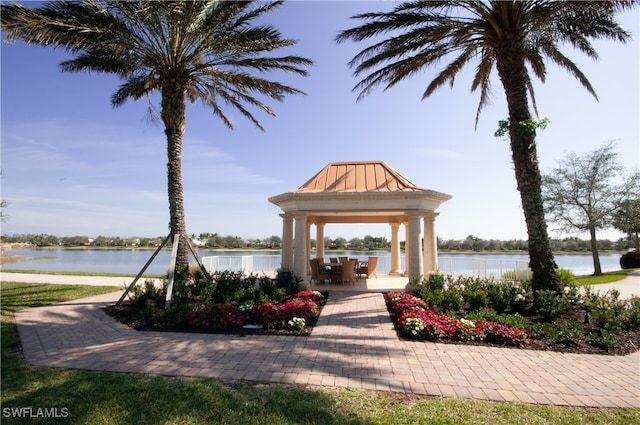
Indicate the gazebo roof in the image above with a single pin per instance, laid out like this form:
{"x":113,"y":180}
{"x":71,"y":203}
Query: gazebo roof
{"x":363,"y":176}
{"x":359,"y":192}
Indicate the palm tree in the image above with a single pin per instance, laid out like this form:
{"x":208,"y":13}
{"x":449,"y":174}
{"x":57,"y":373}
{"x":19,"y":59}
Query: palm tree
{"x":515,"y":37}
{"x":204,"y":51}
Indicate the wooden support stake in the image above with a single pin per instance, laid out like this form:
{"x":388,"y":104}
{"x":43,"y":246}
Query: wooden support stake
{"x":172,"y":271}
{"x":164,"y":242}
{"x":195,"y":255}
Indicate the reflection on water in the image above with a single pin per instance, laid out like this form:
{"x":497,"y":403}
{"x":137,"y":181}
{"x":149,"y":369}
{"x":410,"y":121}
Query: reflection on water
{"x":131,"y":261}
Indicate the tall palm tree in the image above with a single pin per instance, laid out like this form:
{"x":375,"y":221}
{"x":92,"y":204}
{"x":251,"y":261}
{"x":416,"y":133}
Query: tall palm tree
{"x":207,"y":51}
{"x":515,"y":38}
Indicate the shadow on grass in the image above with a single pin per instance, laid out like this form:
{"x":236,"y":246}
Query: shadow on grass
{"x":91,"y":397}
{"x":113,"y":398}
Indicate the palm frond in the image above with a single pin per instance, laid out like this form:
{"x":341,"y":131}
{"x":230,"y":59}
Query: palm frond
{"x":207,"y":46}
{"x":135,"y":88}
{"x":482,"y":80}
{"x":556,"y":56}
{"x":417,"y":35}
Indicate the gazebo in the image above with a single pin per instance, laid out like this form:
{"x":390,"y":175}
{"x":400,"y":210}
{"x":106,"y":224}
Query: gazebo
{"x":360,"y":192}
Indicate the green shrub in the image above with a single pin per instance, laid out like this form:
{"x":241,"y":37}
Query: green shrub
{"x":632,"y":318}
{"x":514,"y":319}
{"x":572,"y":292}
{"x":470,"y":283}
{"x":477,"y":298}
{"x":196,"y":272}
{"x":174,"y":314}
{"x":603,"y":339}
{"x":451,"y":300}
{"x":288,"y":281}
{"x":148,"y":294}
{"x":569,"y":332}
{"x":607,"y":311}
{"x":566,"y":276}
{"x":522,"y":296}
{"x":433,"y":298}
{"x":501,"y":295}
{"x":436,"y":281}
{"x":227,"y":285}
{"x":550,"y":304}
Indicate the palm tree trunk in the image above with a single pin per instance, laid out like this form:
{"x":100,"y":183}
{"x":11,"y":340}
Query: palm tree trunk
{"x":173,"y":116}
{"x":597,"y":268}
{"x":511,"y":70}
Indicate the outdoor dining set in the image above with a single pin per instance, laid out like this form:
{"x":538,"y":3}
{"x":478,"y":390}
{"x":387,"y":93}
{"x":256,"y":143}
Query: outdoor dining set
{"x":342,"y":269}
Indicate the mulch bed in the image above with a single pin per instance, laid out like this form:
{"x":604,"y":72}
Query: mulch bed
{"x":131,"y":316}
{"x":628,"y":340}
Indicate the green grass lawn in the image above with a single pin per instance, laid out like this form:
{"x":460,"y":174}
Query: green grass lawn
{"x":110,"y":398}
{"x":608,"y":277}
{"x":72,"y":273}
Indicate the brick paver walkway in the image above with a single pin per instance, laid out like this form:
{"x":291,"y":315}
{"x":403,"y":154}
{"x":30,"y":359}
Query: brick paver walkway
{"x":353,"y":345}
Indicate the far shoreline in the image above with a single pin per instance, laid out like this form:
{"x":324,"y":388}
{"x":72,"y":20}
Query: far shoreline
{"x":20,"y":247}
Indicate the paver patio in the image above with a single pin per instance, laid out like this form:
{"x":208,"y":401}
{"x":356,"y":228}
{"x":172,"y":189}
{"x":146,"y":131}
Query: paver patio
{"x":353,"y":345}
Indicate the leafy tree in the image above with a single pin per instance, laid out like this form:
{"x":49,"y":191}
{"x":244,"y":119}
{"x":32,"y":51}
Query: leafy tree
{"x":627,"y":219}
{"x":339,"y":243}
{"x":74,"y":240}
{"x":196,"y":50}
{"x":44,"y":240}
{"x":356,"y":243}
{"x":581,"y":194}
{"x":514,"y":37}
{"x":274,"y":242}
{"x":231,"y":242}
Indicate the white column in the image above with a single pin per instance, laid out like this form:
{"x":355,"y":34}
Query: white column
{"x":319,"y":240}
{"x":395,"y":250}
{"x":287,"y":241}
{"x":308,"y":233}
{"x":301,"y":256}
{"x":407,"y":248}
{"x":415,"y":257}
{"x":430,"y":243}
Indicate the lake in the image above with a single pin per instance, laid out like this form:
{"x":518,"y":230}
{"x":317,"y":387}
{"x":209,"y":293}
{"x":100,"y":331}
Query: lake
{"x":131,"y":261}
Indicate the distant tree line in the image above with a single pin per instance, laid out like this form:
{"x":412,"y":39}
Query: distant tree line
{"x":368,"y":243}
{"x":569,"y":244}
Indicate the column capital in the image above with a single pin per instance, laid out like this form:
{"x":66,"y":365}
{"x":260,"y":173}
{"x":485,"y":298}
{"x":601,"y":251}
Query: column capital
{"x":430,"y":216}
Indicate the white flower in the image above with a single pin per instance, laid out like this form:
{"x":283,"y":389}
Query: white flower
{"x":414,"y":325}
{"x":297,"y":322}
{"x":468,"y":323}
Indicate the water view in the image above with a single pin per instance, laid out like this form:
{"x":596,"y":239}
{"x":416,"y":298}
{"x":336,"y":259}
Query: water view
{"x":132,"y":261}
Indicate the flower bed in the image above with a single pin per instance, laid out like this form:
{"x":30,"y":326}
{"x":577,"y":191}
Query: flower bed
{"x":302,"y":305}
{"x":413,"y":319}
{"x":296,"y":314}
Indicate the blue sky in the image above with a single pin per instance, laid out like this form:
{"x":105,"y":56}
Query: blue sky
{"x":73,"y":165}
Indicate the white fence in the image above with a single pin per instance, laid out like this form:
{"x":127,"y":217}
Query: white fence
{"x":481,"y":267}
{"x":256,"y":264}
{"x":486,"y":268}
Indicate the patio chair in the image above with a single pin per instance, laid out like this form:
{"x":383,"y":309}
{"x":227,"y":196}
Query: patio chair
{"x":319,"y":273}
{"x":368,"y":268}
{"x":346,"y":273}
